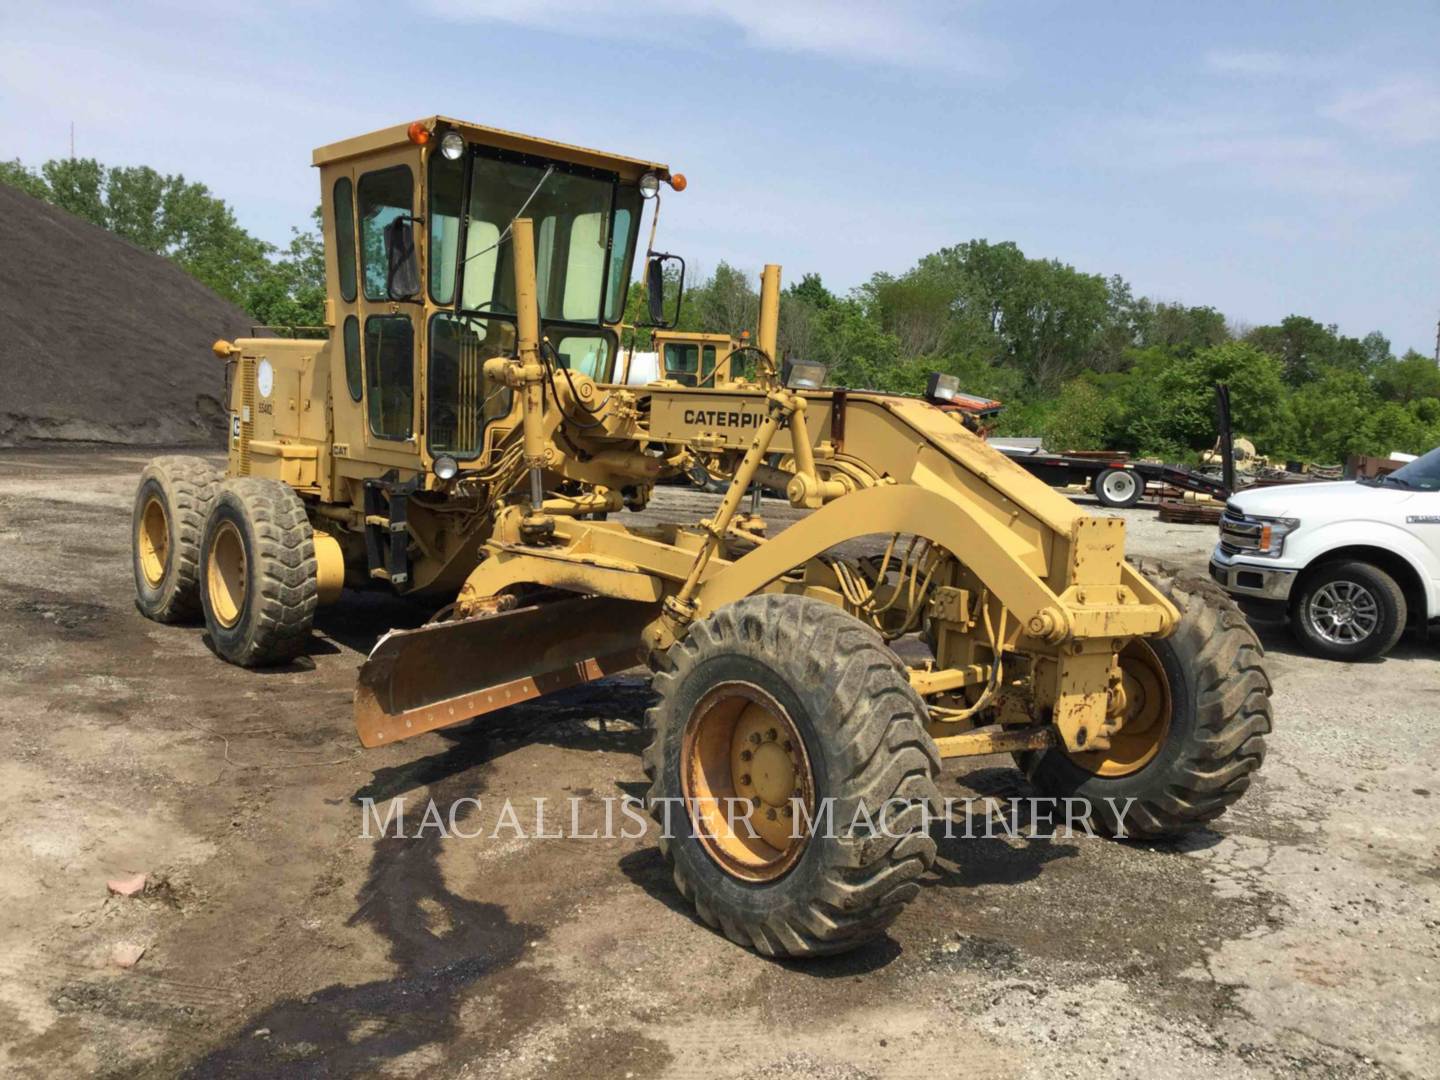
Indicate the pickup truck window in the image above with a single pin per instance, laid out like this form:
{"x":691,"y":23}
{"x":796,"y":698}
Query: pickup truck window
{"x":1422,"y":474}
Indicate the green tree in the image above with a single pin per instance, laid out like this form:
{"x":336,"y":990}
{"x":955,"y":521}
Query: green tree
{"x":290,"y":290}
{"x":1411,"y":378}
{"x":1080,"y":418}
{"x":17,"y":175}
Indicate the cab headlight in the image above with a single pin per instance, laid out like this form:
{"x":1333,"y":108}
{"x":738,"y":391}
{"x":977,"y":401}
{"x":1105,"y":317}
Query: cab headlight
{"x":649,"y":185}
{"x":445,"y":467}
{"x":452,"y":145}
{"x":1273,"y":532}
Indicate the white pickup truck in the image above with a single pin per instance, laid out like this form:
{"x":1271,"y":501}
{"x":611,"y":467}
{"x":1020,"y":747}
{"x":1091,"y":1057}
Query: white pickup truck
{"x":1351,"y":563}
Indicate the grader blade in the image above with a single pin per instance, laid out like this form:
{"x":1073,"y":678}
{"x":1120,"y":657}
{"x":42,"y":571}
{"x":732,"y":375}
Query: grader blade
{"x":446,"y":673}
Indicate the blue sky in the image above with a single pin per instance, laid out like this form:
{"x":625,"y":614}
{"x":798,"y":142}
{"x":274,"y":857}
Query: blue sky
{"x":1261,"y":158}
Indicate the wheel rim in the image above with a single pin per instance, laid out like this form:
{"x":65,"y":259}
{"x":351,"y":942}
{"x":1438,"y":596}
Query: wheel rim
{"x":1119,"y":484}
{"x":1343,"y":612}
{"x":154,"y":541}
{"x":1145,"y":719}
{"x":743,"y":763}
{"x":225,"y":574}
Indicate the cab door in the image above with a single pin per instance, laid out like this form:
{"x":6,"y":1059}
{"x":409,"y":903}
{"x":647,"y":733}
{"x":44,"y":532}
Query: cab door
{"x":387,"y":331}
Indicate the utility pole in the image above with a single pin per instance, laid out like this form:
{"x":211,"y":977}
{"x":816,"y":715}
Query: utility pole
{"x":72,"y":140}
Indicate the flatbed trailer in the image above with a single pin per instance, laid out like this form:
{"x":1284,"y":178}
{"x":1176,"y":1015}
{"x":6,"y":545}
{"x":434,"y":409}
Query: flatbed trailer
{"x":1114,"y":478}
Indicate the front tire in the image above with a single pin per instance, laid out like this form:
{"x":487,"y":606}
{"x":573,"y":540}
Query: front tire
{"x":1348,"y":611}
{"x":171,"y":505}
{"x":260,"y":585}
{"x":1118,"y":488}
{"x":1194,"y":734}
{"x":784,"y":703}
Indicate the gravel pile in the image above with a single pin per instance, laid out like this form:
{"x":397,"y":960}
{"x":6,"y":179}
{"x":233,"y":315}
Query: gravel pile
{"x":101,"y":341}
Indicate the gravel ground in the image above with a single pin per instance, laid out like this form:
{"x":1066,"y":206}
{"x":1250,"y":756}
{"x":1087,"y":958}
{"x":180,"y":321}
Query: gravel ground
{"x":1300,"y":937}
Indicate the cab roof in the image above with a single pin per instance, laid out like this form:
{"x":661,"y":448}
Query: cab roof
{"x":399,"y":135}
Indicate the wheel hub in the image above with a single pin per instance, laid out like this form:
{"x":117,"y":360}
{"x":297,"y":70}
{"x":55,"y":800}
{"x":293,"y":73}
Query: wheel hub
{"x":1344,"y":612}
{"x":154,"y":541}
{"x":744,"y":773}
{"x":225,"y":575}
{"x":1142,"y":702}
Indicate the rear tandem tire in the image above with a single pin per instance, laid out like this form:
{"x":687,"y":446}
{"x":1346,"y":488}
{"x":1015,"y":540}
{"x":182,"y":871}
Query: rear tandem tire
{"x":1219,"y":696}
{"x":171,"y":505}
{"x":828,"y":681}
{"x":259,"y":585}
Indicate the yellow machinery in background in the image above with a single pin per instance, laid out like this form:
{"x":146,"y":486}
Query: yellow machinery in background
{"x":461,"y":436}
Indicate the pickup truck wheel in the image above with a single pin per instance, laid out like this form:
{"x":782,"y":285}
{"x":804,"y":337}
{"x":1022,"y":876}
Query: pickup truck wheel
{"x":1348,"y":611}
{"x":1118,"y":488}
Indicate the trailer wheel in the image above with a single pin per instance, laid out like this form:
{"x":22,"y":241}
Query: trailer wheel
{"x":1198,"y":711}
{"x":171,"y":505}
{"x":1118,"y":488}
{"x":778,"y":712}
{"x":261,"y":581}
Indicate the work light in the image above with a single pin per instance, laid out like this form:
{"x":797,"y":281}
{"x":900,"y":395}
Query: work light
{"x":452,"y":145}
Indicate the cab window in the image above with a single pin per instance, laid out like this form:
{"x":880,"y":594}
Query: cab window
{"x":682,"y":363}
{"x":390,"y":375}
{"x":622,"y":250}
{"x":354,"y":378}
{"x":588,"y":354}
{"x":447,"y":190}
{"x":344,"y":207}
{"x":462,"y":401}
{"x":384,"y":196}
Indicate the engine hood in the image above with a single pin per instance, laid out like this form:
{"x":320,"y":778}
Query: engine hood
{"x":1335,"y":498}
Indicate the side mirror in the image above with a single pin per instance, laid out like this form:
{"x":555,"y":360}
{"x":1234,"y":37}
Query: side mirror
{"x":655,"y":288}
{"x":402,"y":276}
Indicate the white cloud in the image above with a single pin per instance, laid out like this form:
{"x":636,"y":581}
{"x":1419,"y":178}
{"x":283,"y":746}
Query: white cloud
{"x":1242,"y":62}
{"x":1262,"y":151}
{"x":900,"y":34}
{"x":1403,"y":110}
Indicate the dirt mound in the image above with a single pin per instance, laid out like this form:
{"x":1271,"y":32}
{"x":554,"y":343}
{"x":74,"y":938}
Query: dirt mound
{"x":100,"y":341}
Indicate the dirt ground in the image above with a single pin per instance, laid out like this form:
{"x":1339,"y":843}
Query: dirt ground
{"x":1300,"y":937}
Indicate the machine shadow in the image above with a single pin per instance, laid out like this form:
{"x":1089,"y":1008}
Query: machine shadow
{"x":440,"y":942}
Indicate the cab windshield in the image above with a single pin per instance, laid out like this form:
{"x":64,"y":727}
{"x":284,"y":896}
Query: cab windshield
{"x":585,"y":227}
{"x":1422,"y":474}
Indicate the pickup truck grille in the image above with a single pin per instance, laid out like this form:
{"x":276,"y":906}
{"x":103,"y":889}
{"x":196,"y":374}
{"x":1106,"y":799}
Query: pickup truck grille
{"x":1238,"y":534}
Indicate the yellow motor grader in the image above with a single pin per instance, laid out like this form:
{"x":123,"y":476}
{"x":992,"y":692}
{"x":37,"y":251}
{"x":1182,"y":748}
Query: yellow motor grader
{"x":460,"y":435}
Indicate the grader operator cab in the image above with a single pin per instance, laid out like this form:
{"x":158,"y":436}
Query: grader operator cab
{"x":460,"y":436}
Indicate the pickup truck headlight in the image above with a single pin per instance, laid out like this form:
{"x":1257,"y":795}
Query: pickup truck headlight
{"x":1273,"y":532}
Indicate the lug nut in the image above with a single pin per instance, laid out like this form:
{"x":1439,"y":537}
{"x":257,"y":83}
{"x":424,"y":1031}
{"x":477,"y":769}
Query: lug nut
{"x":772,"y":734}
{"x":789,"y":746}
{"x":755,"y":738}
{"x":770,"y":814}
{"x":745,"y":779}
{"x":745,"y":755}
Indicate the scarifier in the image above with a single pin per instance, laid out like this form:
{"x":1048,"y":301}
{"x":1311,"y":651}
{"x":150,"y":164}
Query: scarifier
{"x":459,"y":434}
